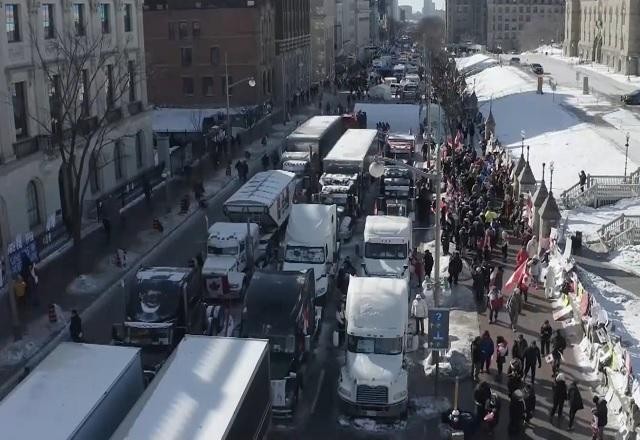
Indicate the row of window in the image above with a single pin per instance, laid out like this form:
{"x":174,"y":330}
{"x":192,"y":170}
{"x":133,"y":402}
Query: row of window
{"x":208,"y":85}
{"x":13,"y":24}
{"x":181,"y":30}
{"x":186,"y":56}
{"x":527,"y":9}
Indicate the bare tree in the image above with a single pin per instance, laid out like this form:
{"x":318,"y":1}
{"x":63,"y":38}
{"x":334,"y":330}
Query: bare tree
{"x":449,"y":87}
{"x":88,"y":77}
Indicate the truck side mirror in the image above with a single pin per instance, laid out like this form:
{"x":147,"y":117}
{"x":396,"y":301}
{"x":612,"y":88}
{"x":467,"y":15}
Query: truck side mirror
{"x":404,"y":269}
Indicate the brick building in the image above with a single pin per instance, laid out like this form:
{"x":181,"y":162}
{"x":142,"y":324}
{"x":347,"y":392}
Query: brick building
{"x":188,"y":41}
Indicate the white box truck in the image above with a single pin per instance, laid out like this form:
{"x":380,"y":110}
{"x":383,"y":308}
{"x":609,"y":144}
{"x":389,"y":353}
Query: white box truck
{"x":373,"y":381}
{"x":210,"y":388}
{"x":311,"y":243}
{"x":388,"y":242}
{"x":230,"y":246}
{"x":78,"y":392}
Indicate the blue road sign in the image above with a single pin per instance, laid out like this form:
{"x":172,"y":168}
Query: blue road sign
{"x":438,"y":331}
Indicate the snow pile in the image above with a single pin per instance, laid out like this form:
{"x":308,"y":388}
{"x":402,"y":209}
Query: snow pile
{"x":628,"y":258}
{"x":430,"y":406}
{"x":371,"y":425}
{"x":475,"y":62}
{"x":589,"y":220}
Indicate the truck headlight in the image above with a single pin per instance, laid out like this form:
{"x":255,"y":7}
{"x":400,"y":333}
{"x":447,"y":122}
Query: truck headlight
{"x":401,"y":395}
{"x":234,"y":286}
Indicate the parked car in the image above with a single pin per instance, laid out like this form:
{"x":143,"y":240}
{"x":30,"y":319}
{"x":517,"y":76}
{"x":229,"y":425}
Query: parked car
{"x":514,"y":61}
{"x":632,"y":98}
{"x":537,"y":69}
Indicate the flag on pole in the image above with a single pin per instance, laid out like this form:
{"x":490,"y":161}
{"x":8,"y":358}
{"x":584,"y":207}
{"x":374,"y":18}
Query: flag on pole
{"x":516,"y":277}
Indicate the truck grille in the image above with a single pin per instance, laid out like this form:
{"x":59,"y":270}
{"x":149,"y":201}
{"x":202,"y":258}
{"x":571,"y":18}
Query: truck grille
{"x":378,"y":395}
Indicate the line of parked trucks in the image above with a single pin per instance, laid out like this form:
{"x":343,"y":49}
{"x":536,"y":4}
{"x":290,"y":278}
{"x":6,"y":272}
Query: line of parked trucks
{"x":181,"y":312}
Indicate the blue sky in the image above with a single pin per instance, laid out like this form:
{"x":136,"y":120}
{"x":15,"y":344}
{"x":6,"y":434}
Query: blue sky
{"x":417,"y":4}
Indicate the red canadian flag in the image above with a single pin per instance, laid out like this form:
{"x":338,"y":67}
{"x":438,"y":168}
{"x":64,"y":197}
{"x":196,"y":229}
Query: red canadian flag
{"x":516,"y":277}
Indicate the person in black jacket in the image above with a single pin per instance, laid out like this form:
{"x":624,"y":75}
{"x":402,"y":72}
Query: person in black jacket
{"x":531,"y":358}
{"x":600,"y":412}
{"x":481,"y":394}
{"x":517,"y":411}
{"x":519,"y":346}
{"x":529,"y":401}
{"x":545,"y":338}
{"x":455,"y":267}
{"x":428,"y":263}
{"x":558,"y":344}
{"x":575,"y":402}
{"x":476,"y":358}
{"x":559,"y":396}
{"x":75,"y":327}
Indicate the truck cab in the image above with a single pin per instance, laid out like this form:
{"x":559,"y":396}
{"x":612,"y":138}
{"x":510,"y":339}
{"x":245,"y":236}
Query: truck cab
{"x":279,"y":307}
{"x":230,"y":247}
{"x":374,"y":381}
{"x":387,"y":245}
{"x":396,"y":188}
{"x":162,"y":306}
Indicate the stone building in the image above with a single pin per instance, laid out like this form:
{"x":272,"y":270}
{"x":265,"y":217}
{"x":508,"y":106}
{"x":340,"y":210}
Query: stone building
{"x":33,"y":188}
{"x":605,"y":32}
{"x":323,"y":19}
{"x":466,"y":21}
{"x":524,"y":24}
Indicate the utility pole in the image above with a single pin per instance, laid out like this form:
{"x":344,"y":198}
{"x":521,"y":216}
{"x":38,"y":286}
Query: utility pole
{"x":436,"y":262}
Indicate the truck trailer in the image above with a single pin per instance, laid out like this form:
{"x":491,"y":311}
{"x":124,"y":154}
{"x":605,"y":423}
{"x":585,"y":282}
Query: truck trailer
{"x":78,"y":392}
{"x":210,"y":388}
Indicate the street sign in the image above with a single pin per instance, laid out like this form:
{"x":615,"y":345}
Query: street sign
{"x":438,"y":334}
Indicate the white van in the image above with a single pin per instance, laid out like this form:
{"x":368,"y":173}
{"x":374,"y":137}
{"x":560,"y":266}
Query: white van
{"x":388,"y":242}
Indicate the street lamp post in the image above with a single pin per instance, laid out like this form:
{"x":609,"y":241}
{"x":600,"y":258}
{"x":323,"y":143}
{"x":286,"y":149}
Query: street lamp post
{"x":626,"y":157}
{"x":522,"y":144}
{"x":252,"y":83}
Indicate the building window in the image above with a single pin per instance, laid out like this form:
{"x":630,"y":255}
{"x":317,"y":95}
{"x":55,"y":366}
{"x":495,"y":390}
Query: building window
{"x":187,"y":86}
{"x":12,"y":22}
{"x":54,"y":104}
{"x":105,"y":18}
{"x":118,"y":159}
{"x":215,"y":56}
{"x":48,"y":21}
{"x":78,"y":18}
{"x":131,"y":67}
{"x":83,"y":95}
{"x":183,"y":30}
{"x":207,"y":86}
{"x":111,"y":99}
{"x":223,"y":84}
{"x":195,"y":29}
{"x":186,"y":56}
{"x":128,"y":19}
{"x":20,"y":109}
{"x":172,"y":30}
{"x":139,"y":149}
{"x":33,"y":205}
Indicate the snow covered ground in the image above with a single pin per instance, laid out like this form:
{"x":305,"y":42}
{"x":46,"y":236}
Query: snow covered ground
{"x":475,"y":63}
{"x":628,"y":259}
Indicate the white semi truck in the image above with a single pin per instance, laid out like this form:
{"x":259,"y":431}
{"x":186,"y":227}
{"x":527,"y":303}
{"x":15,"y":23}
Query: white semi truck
{"x":373,"y":381}
{"x":388,"y":241}
{"x":78,"y":392}
{"x":311,"y":243}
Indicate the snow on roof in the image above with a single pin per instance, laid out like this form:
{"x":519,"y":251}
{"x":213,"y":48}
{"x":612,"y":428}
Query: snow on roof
{"x":377,"y":305}
{"x":174,"y":274}
{"x":314,"y":126}
{"x":263,"y":188}
{"x":230,"y":230}
{"x":57,"y":396}
{"x":354,"y":145}
{"x":197,"y":392}
{"x":401,"y":117}
{"x":182,"y":119}
{"x":386,"y":226}
{"x":477,"y":61}
{"x":311,"y":223}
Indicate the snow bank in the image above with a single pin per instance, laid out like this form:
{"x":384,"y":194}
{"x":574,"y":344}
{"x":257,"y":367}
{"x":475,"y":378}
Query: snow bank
{"x":589,"y":220}
{"x":475,"y":62}
{"x":429,"y":407}
{"x":549,"y":50}
{"x":628,"y":259}
{"x":371,"y":425}
{"x":401,"y":117}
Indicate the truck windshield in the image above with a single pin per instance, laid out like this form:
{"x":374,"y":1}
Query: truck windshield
{"x":385,"y":251}
{"x":215,"y":250}
{"x":358,"y":344}
{"x":300,"y":254}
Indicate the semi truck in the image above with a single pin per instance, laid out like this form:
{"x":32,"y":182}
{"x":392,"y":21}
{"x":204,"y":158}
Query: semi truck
{"x":396,"y":190}
{"x":78,"y":392}
{"x":374,"y":381}
{"x":400,"y":147}
{"x":311,"y":243}
{"x":279,"y":306}
{"x":387,"y":245}
{"x":211,"y":388}
{"x":231,"y":247}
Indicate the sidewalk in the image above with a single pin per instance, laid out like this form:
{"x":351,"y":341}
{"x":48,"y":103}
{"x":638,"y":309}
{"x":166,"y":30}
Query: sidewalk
{"x":59,"y":284}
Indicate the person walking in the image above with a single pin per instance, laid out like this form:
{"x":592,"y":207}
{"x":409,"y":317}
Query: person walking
{"x":502,"y":351}
{"x":545,"y":337}
{"x":521,"y":256}
{"x":476,"y":357}
{"x":505,"y":244}
{"x":559,"y":388}
{"x":558,"y":345}
{"x":531,"y":358}
{"x":455,"y":267}
{"x":529,"y":401}
{"x":549,"y":282}
{"x":486,"y":348}
{"x":582,"y":179}
{"x":600,"y":418}
{"x":495,"y":304}
{"x":419,"y":312}
{"x":517,"y":411}
{"x":496,"y":277}
{"x":514,"y":375}
{"x":532,"y":247}
{"x":519,"y":347}
{"x":481,"y":395}
{"x":75,"y":327}
{"x":575,"y":402}
{"x":428,"y":263}
{"x":514,"y":306}
{"x":478,"y":285}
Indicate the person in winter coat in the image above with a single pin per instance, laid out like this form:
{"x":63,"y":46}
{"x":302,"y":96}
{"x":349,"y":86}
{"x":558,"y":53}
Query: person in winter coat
{"x":419,"y":312}
{"x":428,"y":263}
{"x":558,"y":344}
{"x":524,"y":288}
{"x":75,"y":327}
{"x":575,"y":402}
{"x":521,"y":256}
{"x":478,"y":284}
{"x":517,"y":411}
{"x":559,"y":396}
{"x":532,"y":247}
{"x":504,"y":247}
{"x":519,"y":347}
{"x":531,"y":358}
{"x":514,"y":376}
{"x":529,"y":401}
{"x":481,"y":394}
{"x":549,"y":282}
{"x":492,"y":413}
{"x":582,"y":178}
{"x":545,"y":337}
{"x":601,"y":418}
{"x":534,"y":268}
{"x":495,"y":304}
{"x":502,"y":351}
{"x":455,"y":267}
{"x":514,"y":306}
{"x":486,"y":348}
{"x":496,"y":277}
{"x":476,"y":357}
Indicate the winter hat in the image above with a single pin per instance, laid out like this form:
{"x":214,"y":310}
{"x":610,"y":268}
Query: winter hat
{"x":560,"y":377}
